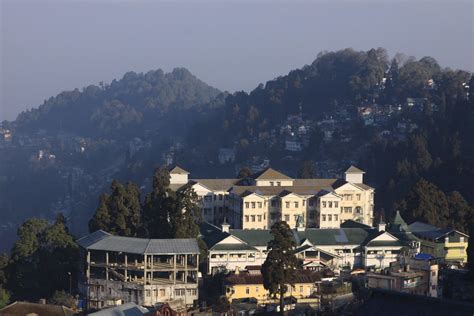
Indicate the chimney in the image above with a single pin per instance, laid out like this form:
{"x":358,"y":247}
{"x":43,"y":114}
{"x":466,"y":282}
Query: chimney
{"x":381,"y":226}
{"x":225,"y":227}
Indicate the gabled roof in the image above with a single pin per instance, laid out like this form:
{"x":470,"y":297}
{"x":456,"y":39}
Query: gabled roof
{"x":248,"y":192}
{"x":107,"y":242}
{"x":398,"y":224}
{"x":353,"y":169}
{"x":287,"y":192}
{"x":253,"y":237}
{"x":178,"y":170}
{"x":270,"y":174}
{"x":217,"y":184}
{"x":353,"y":224}
{"x":27,"y":308}
{"x":432,"y":232}
{"x":211,"y":234}
{"x":334,"y":236}
{"x":127,"y":309}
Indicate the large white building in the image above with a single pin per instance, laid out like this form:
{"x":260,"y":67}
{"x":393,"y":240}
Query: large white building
{"x":353,"y":245}
{"x":268,"y":196}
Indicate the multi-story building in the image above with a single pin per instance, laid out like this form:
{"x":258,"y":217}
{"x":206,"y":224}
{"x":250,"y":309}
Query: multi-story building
{"x":445,"y":244}
{"x":117,"y":270}
{"x":418,"y":275}
{"x":268,"y":196}
{"x":357,"y":245}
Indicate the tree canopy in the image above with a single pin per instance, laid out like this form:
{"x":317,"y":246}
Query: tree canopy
{"x":279,"y":267}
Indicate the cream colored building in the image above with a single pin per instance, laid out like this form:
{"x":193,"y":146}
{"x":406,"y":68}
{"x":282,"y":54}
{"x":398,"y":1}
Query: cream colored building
{"x":268,"y":196}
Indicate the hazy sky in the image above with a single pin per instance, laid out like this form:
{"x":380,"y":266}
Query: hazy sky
{"x":51,"y":46}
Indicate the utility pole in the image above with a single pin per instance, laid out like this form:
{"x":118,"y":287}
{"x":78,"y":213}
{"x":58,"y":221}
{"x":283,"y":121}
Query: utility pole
{"x":70,"y":282}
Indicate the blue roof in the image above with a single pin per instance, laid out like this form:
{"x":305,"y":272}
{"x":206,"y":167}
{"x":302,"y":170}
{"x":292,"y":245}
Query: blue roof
{"x":424,"y":256}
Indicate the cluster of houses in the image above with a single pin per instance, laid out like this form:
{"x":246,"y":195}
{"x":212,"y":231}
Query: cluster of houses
{"x":149,"y":272}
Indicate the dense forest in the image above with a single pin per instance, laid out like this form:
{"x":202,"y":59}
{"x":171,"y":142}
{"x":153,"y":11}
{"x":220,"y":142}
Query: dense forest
{"x":425,"y":174}
{"x":125,"y":107}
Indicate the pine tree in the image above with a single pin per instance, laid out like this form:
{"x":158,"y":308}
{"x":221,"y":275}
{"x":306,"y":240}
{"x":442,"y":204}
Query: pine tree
{"x":170,"y":214}
{"x":101,"y":218}
{"x":120,"y":212}
{"x":278,"y":270}
{"x":157,"y":206}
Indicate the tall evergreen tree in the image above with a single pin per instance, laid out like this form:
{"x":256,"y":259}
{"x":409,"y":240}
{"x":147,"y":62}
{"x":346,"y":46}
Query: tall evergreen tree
{"x":278,"y":270}
{"x":170,"y":214}
{"x":426,"y":203}
{"x":120,"y":212}
{"x":101,"y":218}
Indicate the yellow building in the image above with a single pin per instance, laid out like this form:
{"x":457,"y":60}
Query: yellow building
{"x":446,"y":244}
{"x":250,"y":285}
{"x":268,"y":196}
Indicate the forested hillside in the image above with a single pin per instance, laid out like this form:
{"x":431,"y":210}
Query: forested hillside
{"x":408,"y":122}
{"x":127,"y":106}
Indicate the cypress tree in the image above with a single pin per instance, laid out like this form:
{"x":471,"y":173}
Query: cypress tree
{"x":278,"y":270}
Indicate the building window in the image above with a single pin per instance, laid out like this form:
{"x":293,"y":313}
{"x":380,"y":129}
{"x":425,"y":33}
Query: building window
{"x":192,"y":292}
{"x":246,"y":218}
{"x":336,"y":204}
{"x":253,"y":204}
{"x":259,"y":217}
{"x":358,"y":197}
{"x":287,"y":218}
{"x":324,"y":203}
{"x":324,"y":218}
{"x":162,"y":292}
{"x":304,"y":202}
{"x":247,"y":290}
{"x":335,"y":217}
{"x":296,"y":204}
{"x":272,"y":183}
{"x":252,"y":218}
{"x":278,"y":183}
{"x":247,"y":204}
{"x":358,"y":210}
{"x":147,"y":293}
{"x":287,"y":204}
{"x":329,"y":218}
{"x":433,"y":273}
{"x":330,"y":204}
{"x":347,"y":209}
{"x":179,"y":292}
{"x":259,"y":204}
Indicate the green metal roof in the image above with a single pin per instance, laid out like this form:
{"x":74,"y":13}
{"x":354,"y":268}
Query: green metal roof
{"x":341,"y":236}
{"x":253,"y":237}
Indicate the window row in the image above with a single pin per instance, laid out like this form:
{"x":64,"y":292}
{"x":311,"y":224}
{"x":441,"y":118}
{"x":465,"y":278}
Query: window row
{"x":329,"y":217}
{"x":255,"y":218}
{"x":330,"y":204}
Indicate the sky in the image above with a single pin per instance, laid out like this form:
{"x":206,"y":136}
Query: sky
{"x":51,"y":46}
